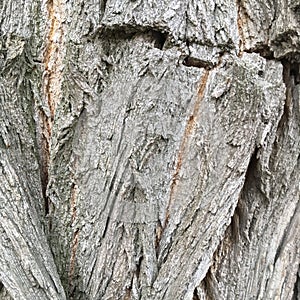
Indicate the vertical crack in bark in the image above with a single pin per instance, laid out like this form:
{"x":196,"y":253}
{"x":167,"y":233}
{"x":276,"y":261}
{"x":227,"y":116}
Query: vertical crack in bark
{"x":52,"y":80}
{"x":288,"y":92}
{"x":103,"y":6}
{"x":195,"y":295}
{"x":75,"y":240}
{"x":158,"y":233}
{"x":74,"y":194}
{"x":291,"y":78}
{"x":72,"y":263}
{"x":182,"y":149}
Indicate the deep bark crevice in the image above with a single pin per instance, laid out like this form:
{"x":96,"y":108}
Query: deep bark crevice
{"x":195,"y":295}
{"x":234,"y":230}
{"x":239,"y":217}
{"x":209,"y":286}
{"x":138,"y":267}
{"x":291,"y":77}
{"x":103,"y":6}
{"x":190,"y":61}
{"x":159,"y":39}
{"x":44,"y":159}
{"x":291,"y":73}
{"x":264,"y":51}
{"x":158,"y":36}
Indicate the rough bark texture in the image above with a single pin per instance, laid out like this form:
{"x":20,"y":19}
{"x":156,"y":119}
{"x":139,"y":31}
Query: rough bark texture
{"x":149,"y":149}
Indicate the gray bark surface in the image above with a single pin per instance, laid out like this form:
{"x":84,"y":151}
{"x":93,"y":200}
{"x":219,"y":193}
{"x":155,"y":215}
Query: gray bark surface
{"x":149,"y":149}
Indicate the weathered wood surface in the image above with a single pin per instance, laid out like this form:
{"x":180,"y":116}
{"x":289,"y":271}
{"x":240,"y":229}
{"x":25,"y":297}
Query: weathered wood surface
{"x":149,"y":149}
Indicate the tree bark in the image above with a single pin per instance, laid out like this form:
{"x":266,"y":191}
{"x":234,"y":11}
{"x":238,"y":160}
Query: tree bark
{"x":149,"y":149}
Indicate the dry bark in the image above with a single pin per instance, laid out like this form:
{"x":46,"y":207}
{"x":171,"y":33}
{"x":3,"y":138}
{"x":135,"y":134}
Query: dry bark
{"x":149,"y":149}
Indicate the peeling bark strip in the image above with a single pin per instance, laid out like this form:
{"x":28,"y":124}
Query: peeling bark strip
{"x":187,"y":133}
{"x":52,"y":79}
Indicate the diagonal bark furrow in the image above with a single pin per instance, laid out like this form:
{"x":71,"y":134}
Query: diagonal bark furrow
{"x":289,"y":232}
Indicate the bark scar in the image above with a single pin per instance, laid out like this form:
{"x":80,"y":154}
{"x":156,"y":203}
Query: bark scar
{"x":52,"y":79}
{"x":184,"y":142}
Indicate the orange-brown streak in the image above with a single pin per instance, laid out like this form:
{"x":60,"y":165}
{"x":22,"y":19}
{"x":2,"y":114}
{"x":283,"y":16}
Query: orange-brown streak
{"x":240,"y":24}
{"x":187,"y":133}
{"x":52,"y":59}
{"x":51,"y":87}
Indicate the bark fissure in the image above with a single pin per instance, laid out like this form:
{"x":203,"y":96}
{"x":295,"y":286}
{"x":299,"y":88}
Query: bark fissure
{"x":196,"y":62}
{"x":75,"y":240}
{"x":74,"y":195}
{"x":291,"y":77}
{"x":234,"y":229}
{"x":195,"y":295}
{"x":264,"y":52}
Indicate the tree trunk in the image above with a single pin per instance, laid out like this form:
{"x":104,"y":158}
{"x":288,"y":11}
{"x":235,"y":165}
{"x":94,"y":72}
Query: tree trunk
{"x":149,"y":149}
